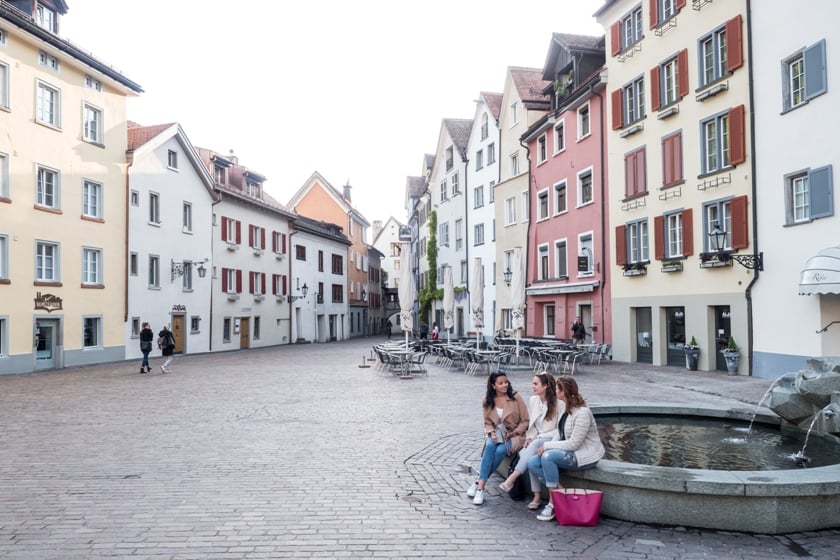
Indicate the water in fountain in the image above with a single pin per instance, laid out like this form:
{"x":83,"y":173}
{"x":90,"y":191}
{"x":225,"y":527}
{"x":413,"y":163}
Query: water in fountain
{"x":762,"y":401}
{"x":801,"y":455}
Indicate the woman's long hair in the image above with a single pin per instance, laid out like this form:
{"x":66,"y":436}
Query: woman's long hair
{"x":550,"y":391}
{"x":571,"y":393}
{"x":490,"y":397}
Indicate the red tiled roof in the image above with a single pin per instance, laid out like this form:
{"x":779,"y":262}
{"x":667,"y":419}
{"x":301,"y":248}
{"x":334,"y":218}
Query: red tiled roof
{"x":139,"y":135}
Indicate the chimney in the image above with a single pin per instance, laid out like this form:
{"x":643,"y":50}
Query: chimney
{"x":377,"y":227}
{"x":347,"y":188}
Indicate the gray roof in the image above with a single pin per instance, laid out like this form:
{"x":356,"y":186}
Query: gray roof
{"x":459,"y":131}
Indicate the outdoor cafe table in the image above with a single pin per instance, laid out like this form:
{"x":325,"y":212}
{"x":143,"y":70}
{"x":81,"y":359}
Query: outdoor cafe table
{"x":405,"y":360}
{"x":489,"y":355}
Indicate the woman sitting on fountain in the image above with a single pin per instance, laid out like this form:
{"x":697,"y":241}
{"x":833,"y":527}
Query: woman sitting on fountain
{"x":575,"y":448}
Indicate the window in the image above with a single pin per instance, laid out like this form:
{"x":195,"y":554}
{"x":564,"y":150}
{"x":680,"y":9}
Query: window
{"x":585,"y":195}
{"x":560,"y":198}
{"x":93,"y":124}
{"x":47,"y":188}
{"x":186,"y":217}
{"x":278,"y":243}
{"x":463,"y":272}
{"x":627,"y":31}
{"x":491,"y":153}
{"x":492,"y":197}
{"x":514,"y":164}
{"x":450,"y":158}
{"x":300,"y":252}
{"x":172,"y":159}
{"x":583,"y":122}
{"x":549,"y":319}
{"x":46,"y":18}
{"x":220,"y":174}
{"x":510,"y":211}
{"x":561,"y":265}
{"x":256,"y":283}
{"x":459,"y":234}
{"x":634,"y":101}
{"x":3,"y":37}
{"x":91,"y":266}
{"x":48,"y":60}
{"x":478,"y":234}
{"x":278,"y":284}
{"x":669,"y":81}
{"x":665,"y":10}
{"x":253,"y":189}
{"x":443,"y":195}
{"x":443,"y":234}
{"x":542,"y":262}
{"x":455,"y":188}
{"x":135,"y":198}
{"x":135,"y":327}
{"x":478,"y":196}
{"x":672,"y":160}
{"x":92,"y":199}
{"x":48,"y":106}
{"x":133,"y":263}
{"x":559,"y":137}
{"x":673,"y":235}
{"x":226,"y":329}
{"x":4,"y":85}
{"x":525,"y":209}
{"x":337,"y":293}
{"x":195,"y":324}
{"x":635,"y":173}
{"x":722,"y":140}
{"x":805,"y":76}
{"x":479,"y":159}
{"x":154,"y":208}
{"x":231,"y":281}
{"x":337,"y":264}
{"x":484,"y":126}
{"x":256,"y":237}
{"x":514,"y":114}
{"x":542,"y":204}
{"x":46,"y":262}
{"x":585,"y":243}
{"x":809,"y":195}
{"x":256,"y":328}
{"x":154,"y":271}
{"x":187,"y":277}
{"x":231,"y":231}
{"x":720,"y":52}
{"x":542,"y":150}
{"x":4,"y":257}
{"x":92,"y":332}
{"x":637,"y":242}
{"x":92,"y":83}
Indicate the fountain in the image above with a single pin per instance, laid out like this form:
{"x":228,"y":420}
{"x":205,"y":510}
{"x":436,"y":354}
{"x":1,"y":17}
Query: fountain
{"x":803,"y":497}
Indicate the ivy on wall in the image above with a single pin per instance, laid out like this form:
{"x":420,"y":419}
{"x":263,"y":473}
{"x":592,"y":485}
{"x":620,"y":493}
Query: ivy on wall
{"x":430,"y":292}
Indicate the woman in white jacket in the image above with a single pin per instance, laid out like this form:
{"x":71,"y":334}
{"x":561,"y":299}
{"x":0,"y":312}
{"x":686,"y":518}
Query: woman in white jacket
{"x":542,"y":427}
{"x":576,"y":447}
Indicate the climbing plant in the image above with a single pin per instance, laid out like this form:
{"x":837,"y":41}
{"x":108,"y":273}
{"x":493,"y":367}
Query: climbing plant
{"x":430,"y":292}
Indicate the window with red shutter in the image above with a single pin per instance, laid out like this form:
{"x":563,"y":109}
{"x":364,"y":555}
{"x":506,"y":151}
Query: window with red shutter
{"x":621,"y":245}
{"x":672,"y":163}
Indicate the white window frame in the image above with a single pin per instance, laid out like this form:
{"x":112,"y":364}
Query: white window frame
{"x":92,"y":199}
{"x":560,"y":137}
{"x":187,"y":277}
{"x":46,"y":18}
{"x":4,"y":175}
{"x":172,"y":160}
{"x":634,"y":101}
{"x":154,"y":272}
{"x":154,"y":208}
{"x":4,"y":85}
{"x":543,"y":205}
{"x":586,"y":240}
{"x":561,"y":258}
{"x":479,"y":159}
{"x":712,"y":55}
{"x":797,"y":89}
{"x":638,"y":241}
{"x":93,"y":124}
{"x":459,"y":234}
{"x":542,"y":149}
{"x":93,"y":322}
{"x":47,"y":187}
{"x":478,"y":234}
{"x":478,"y":196}
{"x":92,"y":83}
{"x":514,"y":114}
{"x":133,"y":263}
{"x":559,"y":187}
{"x":49,"y":61}
{"x":673,"y":235}
{"x":186,"y":217}
{"x":510,"y":211}
{"x":47,"y":261}
{"x":670,"y":72}
{"x":631,"y":28}
{"x":4,"y":256}
{"x":524,"y":206}
{"x":543,"y":262}
{"x":443,"y":194}
{"x":717,"y":214}
{"x":715,"y":143}
{"x":135,"y":198}
{"x":581,"y":200}
{"x":443,"y":234}
{"x":584,"y":122}
{"x":491,"y":153}
{"x":514,"y":164}
{"x":92,"y":266}
{"x":48,"y":105}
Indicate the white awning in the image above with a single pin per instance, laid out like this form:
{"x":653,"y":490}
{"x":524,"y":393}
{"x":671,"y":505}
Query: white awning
{"x":821,"y":274}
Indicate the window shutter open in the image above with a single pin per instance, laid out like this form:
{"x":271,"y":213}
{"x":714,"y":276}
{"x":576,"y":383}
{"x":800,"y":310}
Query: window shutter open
{"x":274,"y":282}
{"x":680,"y":4}
{"x":688,"y":232}
{"x":641,"y":171}
{"x":238,"y":281}
{"x":284,"y":285}
{"x":659,"y":238}
{"x":224,"y":228}
{"x":284,"y":244}
{"x":238,"y":232}
{"x":621,"y":245}
{"x":815,"y":78}
{"x":740,"y":223}
{"x":250,"y":237}
{"x":630,"y":174}
{"x":274,"y":242}
{"x":251,"y":282}
{"x":682,"y":73}
{"x":820,"y":186}
{"x":655,"y":87}
{"x":224,"y":280}
{"x":262,"y":239}
{"x":654,"y":13}
{"x":615,"y":38}
{"x":262,"y":282}
{"x":737,"y":140}
{"x":734,"y":44}
{"x":616,"y":109}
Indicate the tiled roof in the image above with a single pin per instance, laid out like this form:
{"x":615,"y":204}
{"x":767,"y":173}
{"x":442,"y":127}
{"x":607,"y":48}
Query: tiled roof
{"x":139,"y":135}
{"x":415,"y":186}
{"x":494,"y":103}
{"x":459,"y":131}
{"x":583,"y":42}
{"x":530,"y":85}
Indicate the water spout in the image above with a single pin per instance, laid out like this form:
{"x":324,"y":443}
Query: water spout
{"x":761,"y":402}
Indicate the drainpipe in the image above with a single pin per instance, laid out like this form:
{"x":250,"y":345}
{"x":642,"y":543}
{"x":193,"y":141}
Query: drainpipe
{"x":604,"y":221}
{"x":290,"y":302}
{"x":748,"y":291}
{"x":527,"y":236}
{"x":466,"y":235}
{"x":217,"y":199}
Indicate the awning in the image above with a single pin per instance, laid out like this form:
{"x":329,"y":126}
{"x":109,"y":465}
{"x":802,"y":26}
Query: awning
{"x":821,"y":274}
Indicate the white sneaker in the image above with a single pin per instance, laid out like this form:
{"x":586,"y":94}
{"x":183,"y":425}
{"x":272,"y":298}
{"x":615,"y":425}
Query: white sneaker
{"x":472,"y":489}
{"x":479,"y":497}
{"x":547,"y":514}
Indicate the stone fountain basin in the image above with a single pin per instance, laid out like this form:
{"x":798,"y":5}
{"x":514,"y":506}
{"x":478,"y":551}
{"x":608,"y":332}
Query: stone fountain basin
{"x":769,"y":502}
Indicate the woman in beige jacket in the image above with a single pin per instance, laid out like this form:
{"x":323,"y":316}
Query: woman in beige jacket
{"x":505,"y":423}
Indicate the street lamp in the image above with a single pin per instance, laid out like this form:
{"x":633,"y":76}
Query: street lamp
{"x":717,"y":239}
{"x":179,"y":268}
{"x":717,"y":243}
{"x":303,"y":289}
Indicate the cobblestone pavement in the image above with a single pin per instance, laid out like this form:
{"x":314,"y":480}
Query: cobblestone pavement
{"x":296,"y":452}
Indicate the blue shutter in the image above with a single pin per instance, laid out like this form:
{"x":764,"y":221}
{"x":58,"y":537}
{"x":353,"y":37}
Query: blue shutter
{"x":815,"y":77}
{"x":820,"y":187}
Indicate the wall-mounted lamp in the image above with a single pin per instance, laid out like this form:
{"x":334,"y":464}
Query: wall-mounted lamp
{"x":364,"y":294}
{"x":179,"y":268}
{"x":508,"y":274}
{"x":303,"y":289}
{"x":717,"y":242}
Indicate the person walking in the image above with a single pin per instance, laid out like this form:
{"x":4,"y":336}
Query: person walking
{"x":578,"y":332}
{"x":146,"y":338}
{"x":388,"y":329}
{"x":166,"y":342}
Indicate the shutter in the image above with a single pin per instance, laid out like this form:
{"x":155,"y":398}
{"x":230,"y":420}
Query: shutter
{"x":274,"y":241}
{"x":621,"y":245}
{"x":224,"y":228}
{"x":740,"y":223}
{"x":815,"y":79}
{"x":654,"y":13}
{"x":238,"y":232}
{"x":284,"y":244}
{"x":274,"y":282}
{"x":655,"y":88}
{"x":737,"y":140}
{"x":688,"y":232}
{"x":262,"y":239}
{"x":641,"y":171}
{"x":251,"y":236}
{"x":224,"y":280}
{"x":682,"y":73}
{"x":680,"y":4}
{"x":262,"y":283}
{"x":630,"y":174}
{"x":667,"y":160}
{"x":251,"y":282}
{"x":820,"y":189}
{"x":616,"y":109}
{"x":659,"y":238}
{"x":734,"y":44}
{"x":615,"y":38}
{"x":238,"y":281}
{"x":285,"y":291}
{"x":678,"y":158}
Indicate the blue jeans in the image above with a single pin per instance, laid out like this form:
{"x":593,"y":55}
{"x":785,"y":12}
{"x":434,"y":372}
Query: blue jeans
{"x":145,"y":362}
{"x":528,"y":452}
{"x":493,"y":455}
{"x":548,"y":466}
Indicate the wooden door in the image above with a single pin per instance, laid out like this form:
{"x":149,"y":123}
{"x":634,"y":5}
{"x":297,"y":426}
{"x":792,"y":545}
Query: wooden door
{"x":244,"y":333}
{"x":178,"y":332}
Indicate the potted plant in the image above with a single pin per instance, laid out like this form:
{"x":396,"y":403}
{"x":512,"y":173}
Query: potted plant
{"x":692,"y":354}
{"x":732,"y":355}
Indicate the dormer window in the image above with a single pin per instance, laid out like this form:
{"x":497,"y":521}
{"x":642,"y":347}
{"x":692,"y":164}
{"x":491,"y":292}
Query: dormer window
{"x":47,"y":18}
{"x":252,"y":189}
{"x":220,"y":174}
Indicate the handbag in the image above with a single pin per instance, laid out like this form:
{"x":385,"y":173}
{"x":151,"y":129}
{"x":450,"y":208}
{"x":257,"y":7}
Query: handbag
{"x":518,"y":491}
{"x":577,"y":506}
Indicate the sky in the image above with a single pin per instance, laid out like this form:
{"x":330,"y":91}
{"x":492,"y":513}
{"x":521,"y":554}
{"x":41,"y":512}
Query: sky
{"x":353,"y":90}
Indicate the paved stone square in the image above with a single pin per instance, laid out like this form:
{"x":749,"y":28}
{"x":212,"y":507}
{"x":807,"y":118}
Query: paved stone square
{"x":296,"y":452}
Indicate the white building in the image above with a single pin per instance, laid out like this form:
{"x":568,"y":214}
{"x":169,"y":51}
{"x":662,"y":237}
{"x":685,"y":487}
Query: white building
{"x":386,"y":240}
{"x":169,"y":225}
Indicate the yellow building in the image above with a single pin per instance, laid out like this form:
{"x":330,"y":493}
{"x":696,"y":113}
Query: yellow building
{"x":62,"y":196}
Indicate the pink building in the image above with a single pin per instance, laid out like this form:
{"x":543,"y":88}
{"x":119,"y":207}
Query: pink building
{"x":568,"y":238}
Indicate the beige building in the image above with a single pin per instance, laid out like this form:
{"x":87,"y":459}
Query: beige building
{"x":681,"y":179}
{"x":62,"y":196}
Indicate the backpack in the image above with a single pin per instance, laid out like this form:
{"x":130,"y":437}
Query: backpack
{"x":166,"y":341}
